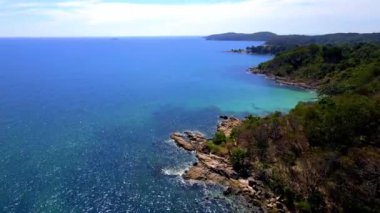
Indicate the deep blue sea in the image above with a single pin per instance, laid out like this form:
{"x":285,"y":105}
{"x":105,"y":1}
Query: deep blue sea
{"x":85,"y":122}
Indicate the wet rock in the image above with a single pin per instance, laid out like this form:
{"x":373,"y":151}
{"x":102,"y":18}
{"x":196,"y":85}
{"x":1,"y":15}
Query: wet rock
{"x":223,"y":117}
{"x":196,"y":173}
{"x":226,"y":125}
{"x":195,"y":137}
{"x":180,"y":140}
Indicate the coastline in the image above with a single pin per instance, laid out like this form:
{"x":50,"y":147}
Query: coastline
{"x":307,"y":85}
{"x":215,"y":169}
{"x":286,"y":81}
{"x":297,"y":155}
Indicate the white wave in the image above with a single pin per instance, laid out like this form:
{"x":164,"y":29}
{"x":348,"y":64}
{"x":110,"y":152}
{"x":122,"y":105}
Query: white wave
{"x":177,"y":170}
{"x":170,"y":142}
{"x":173,"y":171}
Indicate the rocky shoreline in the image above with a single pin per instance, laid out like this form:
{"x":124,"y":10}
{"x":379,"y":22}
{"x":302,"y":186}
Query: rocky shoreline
{"x":286,"y":81}
{"x":280,"y":80}
{"x":216,"y":169}
{"x":241,"y":51}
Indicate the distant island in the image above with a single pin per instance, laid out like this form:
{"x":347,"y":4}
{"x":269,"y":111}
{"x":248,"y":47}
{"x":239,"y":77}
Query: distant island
{"x":274,"y":39}
{"x":277,"y":43}
{"x":322,"y":156}
{"x":259,"y":36}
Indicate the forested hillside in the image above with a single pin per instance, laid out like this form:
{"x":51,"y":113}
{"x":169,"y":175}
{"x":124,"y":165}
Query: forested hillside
{"x":296,"y":40}
{"x":278,"y":43}
{"x":324,"y":155}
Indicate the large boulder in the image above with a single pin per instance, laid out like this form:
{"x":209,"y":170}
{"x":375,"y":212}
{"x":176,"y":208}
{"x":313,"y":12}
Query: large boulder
{"x":180,"y":140}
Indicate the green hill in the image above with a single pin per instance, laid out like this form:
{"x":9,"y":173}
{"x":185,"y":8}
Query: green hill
{"x":260,"y":36}
{"x":275,"y":44}
{"x":322,"y":156}
{"x":296,"y":40}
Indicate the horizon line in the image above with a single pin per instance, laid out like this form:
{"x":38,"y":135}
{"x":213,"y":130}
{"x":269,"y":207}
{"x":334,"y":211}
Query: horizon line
{"x":112,"y":37}
{"x":168,"y":36}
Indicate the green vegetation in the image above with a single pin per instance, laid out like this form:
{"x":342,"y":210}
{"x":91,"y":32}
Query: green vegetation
{"x":338,"y":69}
{"x":219,"y":138}
{"x":299,"y":40}
{"x":215,"y":149}
{"x":275,"y":44}
{"x":342,"y":122}
{"x":218,"y":144}
{"x":260,"y":36}
{"x":237,"y":158}
{"x":267,"y":49}
{"x":336,"y":39}
{"x":325,"y":155}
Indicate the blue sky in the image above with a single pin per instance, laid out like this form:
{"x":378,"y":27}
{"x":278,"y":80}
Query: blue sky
{"x":59,"y":18}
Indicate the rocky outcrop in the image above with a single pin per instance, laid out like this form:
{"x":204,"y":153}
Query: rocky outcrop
{"x":215,"y":169}
{"x":226,"y":125}
{"x":189,"y":140}
{"x":180,"y":140}
{"x":217,"y":165}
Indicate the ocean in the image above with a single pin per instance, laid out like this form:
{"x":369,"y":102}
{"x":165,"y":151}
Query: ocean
{"x":85,"y":122}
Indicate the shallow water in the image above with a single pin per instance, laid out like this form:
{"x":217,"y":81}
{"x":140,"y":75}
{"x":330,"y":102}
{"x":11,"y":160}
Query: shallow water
{"x":84,"y":123}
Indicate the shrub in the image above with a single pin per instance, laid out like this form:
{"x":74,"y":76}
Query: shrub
{"x":237,"y":159}
{"x":219,"y":138}
{"x":216,"y":149}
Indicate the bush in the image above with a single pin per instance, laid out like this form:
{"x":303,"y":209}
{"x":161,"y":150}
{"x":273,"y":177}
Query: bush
{"x":237,"y":159}
{"x":219,"y":138}
{"x":215,"y":149}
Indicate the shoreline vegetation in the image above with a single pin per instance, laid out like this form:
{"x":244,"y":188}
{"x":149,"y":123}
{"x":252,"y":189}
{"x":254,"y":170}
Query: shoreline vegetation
{"x":215,"y":166}
{"x":302,"y":84}
{"x":321,"y":156}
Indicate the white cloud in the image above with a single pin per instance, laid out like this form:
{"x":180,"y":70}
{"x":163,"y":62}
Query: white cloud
{"x":99,"y":18}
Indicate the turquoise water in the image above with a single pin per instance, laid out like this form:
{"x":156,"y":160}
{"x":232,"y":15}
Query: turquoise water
{"x":84,"y":123}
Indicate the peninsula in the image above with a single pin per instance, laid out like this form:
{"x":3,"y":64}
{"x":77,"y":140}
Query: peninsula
{"x":322,"y":156}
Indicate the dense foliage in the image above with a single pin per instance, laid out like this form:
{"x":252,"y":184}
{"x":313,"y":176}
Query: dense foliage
{"x":324,"y":155}
{"x":336,"y":39}
{"x":267,"y":49}
{"x":340,"y":69}
{"x":342,"y":122}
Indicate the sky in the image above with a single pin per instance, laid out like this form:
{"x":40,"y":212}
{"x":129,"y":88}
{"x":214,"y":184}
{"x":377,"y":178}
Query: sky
{"x":77,"y":18}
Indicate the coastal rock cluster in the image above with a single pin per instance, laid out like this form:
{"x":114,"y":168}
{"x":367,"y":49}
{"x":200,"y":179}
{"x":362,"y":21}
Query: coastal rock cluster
{"x":215,"y":169}
{"x":226,"y":125}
